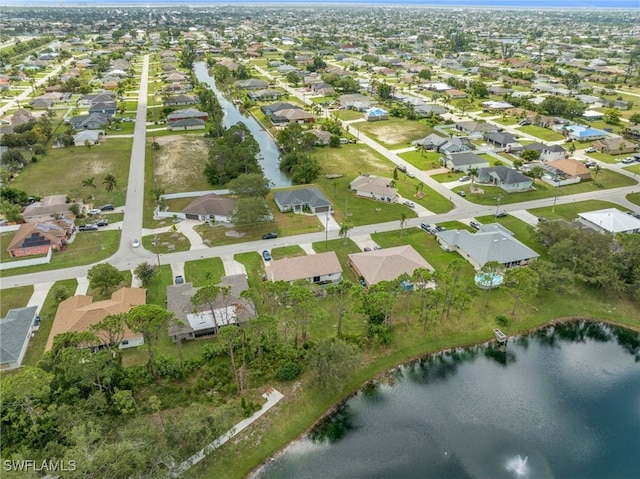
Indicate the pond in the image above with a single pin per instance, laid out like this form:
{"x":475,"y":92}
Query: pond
{"x":561,"y":402}
{"x":269,"y":151}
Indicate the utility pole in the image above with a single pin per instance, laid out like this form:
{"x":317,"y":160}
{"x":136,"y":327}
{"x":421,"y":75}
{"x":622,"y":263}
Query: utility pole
{"x":326,"y":232}
{"x":499,"y":198}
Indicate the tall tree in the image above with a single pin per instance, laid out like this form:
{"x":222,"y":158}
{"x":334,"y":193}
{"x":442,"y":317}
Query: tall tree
{"x":522,"y":282}
{"x":111,"y":330}
{"x":110,"y":183}
{"x":104,"y":277}
{"x":344,"y":294}
{"x":330,"y":361}
{"x":252,"y":185}
{"x":89,"y":182}
{"x":145,"y":273}
{"x":211,"y":295}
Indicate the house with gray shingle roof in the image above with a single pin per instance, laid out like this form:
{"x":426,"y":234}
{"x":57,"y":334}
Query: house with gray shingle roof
{"x":505,"y":178}
{"x":299,"y":200}
{"x":252,"y":84}
{"x":490,"y":243}
{"x":15,"y":331}
{"x":210,"y":207}
{"x":464,"y":160}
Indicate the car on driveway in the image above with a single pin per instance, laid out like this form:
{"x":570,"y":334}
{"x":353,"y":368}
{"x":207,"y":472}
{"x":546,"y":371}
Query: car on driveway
{"x":590,"y":163}
{"x":89,"y":227}
{"x":135,"y":242}
{"x":628,"y":161}
{"x":102,"y":223}
{"x":108,"y":207}
{"x":462,"y":193}
{"x":411,"y":175}
{"x":267,"y":236}
{"x":178,"y":279}
{"x":464,"y":178}
{"x":95,"y":211}
{"x":366,"y":249}
{"x":440,"y":228}
{"x":475,"y":225}
{"x":501,"y":214}
{"x":591,"y":149}
{"x":266,"y":255}
{"x":408,"y":203}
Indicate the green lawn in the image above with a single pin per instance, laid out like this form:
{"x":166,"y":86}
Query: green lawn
{"x":163,"y":243}
{"x":202,"y":272}
{"x":508,"y":121}
{"x":342,"y":249}
{"x":569,"y":212}
{"x":88,"y":247}
{"x":422,"y":160}
{"x":254,"y":266}
{"x":287,"y":252}
{"x":62,"y":171}
{"x":348,"y":115}
{"x":395,"y":132}
{"x":634,"y":198}
{"x":12,"y":298}
{"x":606,"y":179}
{"x":420,"y":193}
{"x":35,"y":350}
{"x":542,"y":133}
{"x":157,"y":289}
{"x":448,"y":176}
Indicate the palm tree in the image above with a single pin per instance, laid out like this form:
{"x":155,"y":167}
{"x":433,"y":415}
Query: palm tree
{"x":110,"y":183}
{"x":596,"y":169}
{"x":473,"y":173}
{"x":344,"y":231}
{"x":89,"y":182}
{"x":403,"y":220}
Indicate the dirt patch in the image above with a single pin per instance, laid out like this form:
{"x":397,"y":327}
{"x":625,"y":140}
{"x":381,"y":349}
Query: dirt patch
{"x":391,"y":134}
{"x":179,"y":163}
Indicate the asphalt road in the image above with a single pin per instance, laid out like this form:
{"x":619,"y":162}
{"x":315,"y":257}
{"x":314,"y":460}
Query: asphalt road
{"x":128,"y":257}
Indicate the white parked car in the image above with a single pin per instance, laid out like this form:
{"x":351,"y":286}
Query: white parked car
{"x":408,"y":203}
{"x":464,"y":178}
{"x":135,"y":242}
{"x":95,"y":211}
{"x":591,"y":149}
{"x":411,"y":175}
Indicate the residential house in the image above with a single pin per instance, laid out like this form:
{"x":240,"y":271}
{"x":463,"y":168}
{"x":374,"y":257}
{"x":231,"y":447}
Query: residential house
{"x":323,"y":137}
{"x":507,"y":179}
{"x":264,"y":95}
{"x":47,"y":208}
{"x":91,"y":136}
{"x":211,"y":207}
{"x":455,"y":145}
{"x":633,"y":131}
{"x":322,"y":88}
{"x":37,"y":238}
{"x":227,"y":309}
{"x":375,"y":187}
{"x":179,"y":100}
{"x":492,"y":242}
{"x":456,"y":94}
{"x":300,"y":200}
{"x":463,"y":161}
{"x":186,"y":113}
{"x":316,"y":268}
{"x":496,"y":105}
{"x":275,"y":107}
{"x":79,"y":313}
{"x":187,"y":124}
{"x":610,"y":220}
{"x":41,"y":103}
{"x":252,"y":84}
{"x":614,"y":146}
{"x":425,"y":109}
{"x":429,"y":142}
{"x":102,"y":97}
{"x":93,"y":121}
{"x":16,"y":330}
{"x":504,"y":140}
{"x":175,"y":77}
{"x":108,"y":108}
{"x":572,"y":168}
{"x":476,"y":128}
{"x":387,"y":264}
{"x":376,"y":114}
{"x":552,"y":153}
{"x":292,"y":115}
{"x":355,"y":101}
{"x":21,"y":116}
{"x":583,"y":133}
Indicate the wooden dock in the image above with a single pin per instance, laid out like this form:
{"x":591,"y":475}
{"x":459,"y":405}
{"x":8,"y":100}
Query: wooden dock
{"x":500,"y":336}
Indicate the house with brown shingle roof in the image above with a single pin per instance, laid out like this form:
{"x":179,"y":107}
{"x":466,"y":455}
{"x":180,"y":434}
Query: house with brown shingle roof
{"x":79,"y":313}
{"x":211,"y":207}
{"x":46,"y":208}
{"x":39,"y":237}
{"x":614,"y":146}
{"x":315,"y":268}
{"x":387,"y":264}
{"x":375,"y":188}
{"x":572,"y":168}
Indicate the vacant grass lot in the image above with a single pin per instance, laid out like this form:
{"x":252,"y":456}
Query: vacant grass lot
{"x":157,"y":289}
{"x":62,"y":171}
{"x":606,"y":179}
{"x":14,"y":298}
{"x":254,"y":266}
{"x":448,"y":176}
{"x":88,"y":247}
{"x":542,"y":133}
{"x":163,"y":243}
{"x":202,"y":272}
{"x":422,"y":160}
{"x":348,"y":115}
{"x":569,"y":212}
{"x":395,"y":132}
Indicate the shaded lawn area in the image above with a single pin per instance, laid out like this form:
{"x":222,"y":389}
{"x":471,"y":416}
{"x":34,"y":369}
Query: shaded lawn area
{"x":202,"y":272}
{"x":542,"y":133}
{"x":87,"y":248}
{"x":569,"y":212}
{"x":62,"y":170}
{"x":157,"y":289}
{"x":342,"y":249}
{"x":253,"y":264}
{"x":422,"y":160}
{"x":395,"y":132}
{"x":35,"y":350}
{"x":163,"y":243}
{"x":522,"y":231}
{"x":606,"y":179}
{"x":287,"y":252}
{"x":14,"y":298}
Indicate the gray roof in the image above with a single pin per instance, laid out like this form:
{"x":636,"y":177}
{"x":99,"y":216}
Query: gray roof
{"x":311,"y":196}
{"x":187,"y":122}
{"x":485,"y":246}
{"x":507,"y":175}
{"x":465,"y":158}
{"x":501,"y":138}
{"x":14,"y":331}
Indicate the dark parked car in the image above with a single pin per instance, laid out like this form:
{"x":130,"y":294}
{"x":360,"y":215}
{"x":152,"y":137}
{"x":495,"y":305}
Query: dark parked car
{"x":178,"y":279}
{"x":440,"y":228}
{"x":266,"y":255}
{"x":429,"y":228}
{"x":269,"y":236}
{"x":102,"y":223}
{"x":462,"y":193}
{"x":502,"y":214}
{"x":107,"y":208}
{"x":89,"y":227}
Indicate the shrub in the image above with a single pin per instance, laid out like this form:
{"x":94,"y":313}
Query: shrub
{"x":288,"y":371}
{"x":502,"y":320}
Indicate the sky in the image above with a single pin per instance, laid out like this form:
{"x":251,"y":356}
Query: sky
{"x":630,"y":4}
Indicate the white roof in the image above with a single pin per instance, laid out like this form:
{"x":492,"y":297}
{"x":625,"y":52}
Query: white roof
{"x":612,"y":220}
{"x":204,"y":320}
